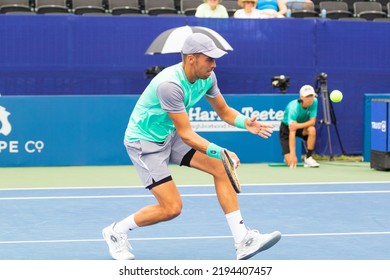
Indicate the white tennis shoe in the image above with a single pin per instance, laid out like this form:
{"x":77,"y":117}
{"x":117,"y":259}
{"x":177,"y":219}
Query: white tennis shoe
{"x":254,"y":243}
{"x":311,"y":162}
{"x":118,"y":244}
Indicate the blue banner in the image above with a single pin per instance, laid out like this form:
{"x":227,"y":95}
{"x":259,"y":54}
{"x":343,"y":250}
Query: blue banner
{"x":379,"y":120}
{"x":367,"y":128}
{"x":88,"y":130}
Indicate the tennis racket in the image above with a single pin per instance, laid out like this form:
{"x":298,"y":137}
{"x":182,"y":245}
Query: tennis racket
{"x":230,"y":168}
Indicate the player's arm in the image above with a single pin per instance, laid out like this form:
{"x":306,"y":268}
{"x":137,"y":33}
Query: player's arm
{"x":193,"y":139}
{"x":295,"y":125}
{"x":171,"y":97}
{"x":233,"y":117}
{"x":186,"y":133}
{"x":292,"y":145}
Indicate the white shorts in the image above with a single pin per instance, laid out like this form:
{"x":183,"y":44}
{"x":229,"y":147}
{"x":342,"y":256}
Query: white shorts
{"x":151,"y":159}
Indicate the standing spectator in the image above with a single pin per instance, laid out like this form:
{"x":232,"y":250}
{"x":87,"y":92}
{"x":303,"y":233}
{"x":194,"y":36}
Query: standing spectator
{"x":248,"y":10}
{"x":272,"y":8}
{"x":211,"y":9}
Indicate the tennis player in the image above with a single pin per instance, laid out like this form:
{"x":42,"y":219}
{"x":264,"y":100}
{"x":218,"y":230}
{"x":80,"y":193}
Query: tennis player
{"x":159,"y":132}
{"x":299,"y":121}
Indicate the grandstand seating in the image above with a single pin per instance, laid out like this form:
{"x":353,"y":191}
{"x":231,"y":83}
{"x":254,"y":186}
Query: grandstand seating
{"x":120,"y":7}
{"x":51,"y":6}
{"x":301,"y":9}
{"x":368,"y":10}
{"x":11,"y":6}
{"x":335,"y":8}
{"x":188,"y":7}
{"x":384,"y":4}
{"x":158,"y":7}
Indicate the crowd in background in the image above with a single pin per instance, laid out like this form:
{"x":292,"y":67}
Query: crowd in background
{"x":249,"y":9}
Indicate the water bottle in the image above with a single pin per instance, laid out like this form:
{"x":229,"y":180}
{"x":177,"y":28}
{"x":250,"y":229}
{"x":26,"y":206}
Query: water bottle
{"x":288,"y":13}
{"x":323,"y":13}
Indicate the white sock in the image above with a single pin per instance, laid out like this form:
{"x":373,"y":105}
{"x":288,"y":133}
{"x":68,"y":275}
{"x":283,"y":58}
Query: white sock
{"x":125,"y":225}
{"x":237,"y":225}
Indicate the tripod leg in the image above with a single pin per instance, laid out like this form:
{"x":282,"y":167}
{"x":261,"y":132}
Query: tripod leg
{"x":327,"y":115}
{"x":330,"y":144}
{"x":334,"y":122}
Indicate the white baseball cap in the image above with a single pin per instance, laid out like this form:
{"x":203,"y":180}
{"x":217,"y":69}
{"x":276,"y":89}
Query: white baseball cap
{"x":307,"y":90}
{"x":200,"y":43}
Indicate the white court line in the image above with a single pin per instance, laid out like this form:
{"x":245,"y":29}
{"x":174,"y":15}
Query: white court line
{"x":197,"y":237}
{"x":190,"y":195}
{"x":200,"y":186}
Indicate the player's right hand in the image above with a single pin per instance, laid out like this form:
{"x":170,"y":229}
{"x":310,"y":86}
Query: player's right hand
{"x":292,"y":163}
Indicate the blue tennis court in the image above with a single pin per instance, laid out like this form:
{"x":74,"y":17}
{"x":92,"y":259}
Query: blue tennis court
{"x":335,"y":221}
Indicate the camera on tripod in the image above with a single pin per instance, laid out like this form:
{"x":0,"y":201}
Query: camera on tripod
{"x":328,"y":112}
{"x":281,"y":82}
{"x":152,"y":72}
{"x":322,"y":77}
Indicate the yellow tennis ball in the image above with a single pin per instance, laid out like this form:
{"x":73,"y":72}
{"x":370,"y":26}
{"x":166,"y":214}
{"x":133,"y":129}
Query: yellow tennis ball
{"x":336,"y":96}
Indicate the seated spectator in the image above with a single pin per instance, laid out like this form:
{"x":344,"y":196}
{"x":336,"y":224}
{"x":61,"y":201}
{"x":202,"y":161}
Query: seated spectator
{"x":248,"y":10}
{"x":272,"y":8}
{"x":211,"y":9}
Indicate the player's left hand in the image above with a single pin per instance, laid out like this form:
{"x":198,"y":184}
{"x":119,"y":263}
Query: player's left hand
{"x":261,"y":129}
{"x":234,"y":158}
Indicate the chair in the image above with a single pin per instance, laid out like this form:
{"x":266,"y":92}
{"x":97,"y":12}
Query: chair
{"x":335,"y":9}
{"x":81,"y":7}
{"x":368,"y":10}
{"x":15,"y":6}
{"x":188,"y":7}
{"x":51,"y":6}
{"x":302,"y":9}
{"x":120,"y":7}
{"x":158,"y":7}
{"x":384,"y":4}
{"x":231,"y":6}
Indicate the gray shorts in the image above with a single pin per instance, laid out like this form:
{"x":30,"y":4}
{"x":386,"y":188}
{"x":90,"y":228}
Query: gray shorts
{"x":151,"y":159}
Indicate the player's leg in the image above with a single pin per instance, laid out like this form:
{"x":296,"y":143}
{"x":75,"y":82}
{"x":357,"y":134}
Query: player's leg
{"x":151,"y":162}
{"x":309,"y":135}
{"x":184,"y":155}
{"x":247,"y":242}
{"x":284,"y":134}
{"x":169,"y":205}
{"x":227,"y":197}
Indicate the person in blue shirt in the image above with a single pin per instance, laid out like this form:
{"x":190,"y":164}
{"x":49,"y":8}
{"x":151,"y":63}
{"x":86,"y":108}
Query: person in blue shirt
{"x":272,"y":8}
{"x":299,"y":121}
